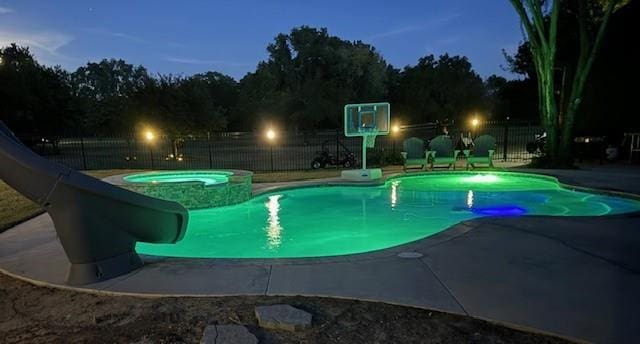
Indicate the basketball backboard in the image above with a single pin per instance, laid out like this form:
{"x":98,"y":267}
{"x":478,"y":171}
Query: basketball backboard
{"x":369,"y":119}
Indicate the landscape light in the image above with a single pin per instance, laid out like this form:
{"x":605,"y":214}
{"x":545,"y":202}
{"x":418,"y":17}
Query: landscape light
{"x":475,"y":122}
{"x":271,"y":134}
{"x":149,"y":135}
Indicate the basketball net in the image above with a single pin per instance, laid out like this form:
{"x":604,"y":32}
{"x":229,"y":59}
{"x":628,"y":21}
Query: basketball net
{"x":370,"y":140}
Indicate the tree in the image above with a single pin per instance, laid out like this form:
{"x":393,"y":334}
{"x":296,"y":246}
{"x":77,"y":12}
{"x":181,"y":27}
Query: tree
{"x":540,"y":22}
{"x":609,"y":95}
{"x":309,"y":77}
{"x":103,"y":92}
{"x":446,"y":88}
{"x":34,"y":100}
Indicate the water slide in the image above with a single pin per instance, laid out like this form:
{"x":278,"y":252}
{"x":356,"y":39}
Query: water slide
{"x":98,"y":224}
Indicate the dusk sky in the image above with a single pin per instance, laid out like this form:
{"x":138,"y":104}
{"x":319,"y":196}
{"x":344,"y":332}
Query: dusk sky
{"x":187,"y":37}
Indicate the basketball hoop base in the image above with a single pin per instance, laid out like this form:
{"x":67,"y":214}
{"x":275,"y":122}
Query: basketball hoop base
{"x":362,"y":175}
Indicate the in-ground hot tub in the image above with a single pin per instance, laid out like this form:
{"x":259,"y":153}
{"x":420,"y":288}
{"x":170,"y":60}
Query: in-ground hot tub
{"x":195,"y":189}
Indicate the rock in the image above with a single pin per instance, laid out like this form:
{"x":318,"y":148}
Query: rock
{"x":283,"y":317}
{"x":227,"y":334}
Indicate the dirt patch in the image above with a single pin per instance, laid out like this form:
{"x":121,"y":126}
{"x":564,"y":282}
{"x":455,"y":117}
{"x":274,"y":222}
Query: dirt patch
{"x":32,"y":314}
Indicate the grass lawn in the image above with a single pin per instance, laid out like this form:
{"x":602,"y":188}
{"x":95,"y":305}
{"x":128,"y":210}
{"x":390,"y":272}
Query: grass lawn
{"x":14,"y":208}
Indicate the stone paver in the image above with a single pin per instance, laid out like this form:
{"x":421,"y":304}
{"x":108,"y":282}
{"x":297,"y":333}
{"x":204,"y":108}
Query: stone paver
{"x":283,"y":317}
{"x":227,"y":334}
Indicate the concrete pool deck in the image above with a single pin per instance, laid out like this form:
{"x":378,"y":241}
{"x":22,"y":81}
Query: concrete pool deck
{"x":573,"y":276}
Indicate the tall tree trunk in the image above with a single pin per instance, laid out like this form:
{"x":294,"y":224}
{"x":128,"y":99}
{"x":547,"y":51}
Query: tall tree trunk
{"x":583,"y":68}
{"x":550,"y":112}
{"x":542,"y":40}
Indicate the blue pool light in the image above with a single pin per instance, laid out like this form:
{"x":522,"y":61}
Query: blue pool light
{"x":500,"y":210}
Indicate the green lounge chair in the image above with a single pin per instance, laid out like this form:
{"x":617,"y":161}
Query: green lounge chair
{"x":483,"y":148}
{"x":441,"y":152}
{"x":413,"y":153}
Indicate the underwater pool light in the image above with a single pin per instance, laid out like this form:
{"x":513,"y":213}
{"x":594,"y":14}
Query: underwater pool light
{"x":482,"y":178}
{"x":500,"y":210}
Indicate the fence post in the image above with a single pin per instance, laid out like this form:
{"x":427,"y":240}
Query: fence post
{"x":506,"y":140}
{"x":337,"y":146}
{"x":84,"y":159}
{"x":151,"y":154}
{"x":209,"y":146}
{"x":271,"y":154}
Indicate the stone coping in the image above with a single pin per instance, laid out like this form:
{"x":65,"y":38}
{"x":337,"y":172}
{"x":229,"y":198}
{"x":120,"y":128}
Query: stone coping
{"x":233,"y":174}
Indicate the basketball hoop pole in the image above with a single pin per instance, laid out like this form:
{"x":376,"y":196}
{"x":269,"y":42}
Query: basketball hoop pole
{"x":364,"y":152}
{"x":368,"y":141}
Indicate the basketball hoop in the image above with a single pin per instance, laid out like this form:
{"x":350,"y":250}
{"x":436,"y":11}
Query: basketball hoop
{"x":368,"y":121}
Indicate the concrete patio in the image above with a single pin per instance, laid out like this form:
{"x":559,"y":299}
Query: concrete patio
{"x":573,"y":276}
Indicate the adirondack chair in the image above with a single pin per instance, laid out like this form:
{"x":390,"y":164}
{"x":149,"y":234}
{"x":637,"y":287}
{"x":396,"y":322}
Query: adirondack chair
{"x":482,"y":153}
{"x":414,"y":153}
{"x":442,"y":152}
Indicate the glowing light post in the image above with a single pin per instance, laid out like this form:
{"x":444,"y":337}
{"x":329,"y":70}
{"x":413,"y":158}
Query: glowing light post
{"x":395,"y":130}
{"x":474,"y":125}
{"x":150,"y":136}
{"x":271,"y":136}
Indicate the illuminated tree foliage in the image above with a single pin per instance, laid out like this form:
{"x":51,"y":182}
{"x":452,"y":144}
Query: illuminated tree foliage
{"x":540,"y":21}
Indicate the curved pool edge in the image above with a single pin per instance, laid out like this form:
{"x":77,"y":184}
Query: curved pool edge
{"x":331,"y":182}
{"x":449,"y":233}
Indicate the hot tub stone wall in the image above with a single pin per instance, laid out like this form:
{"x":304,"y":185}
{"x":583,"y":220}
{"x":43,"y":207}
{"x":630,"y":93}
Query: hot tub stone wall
{"x":195,"y":195}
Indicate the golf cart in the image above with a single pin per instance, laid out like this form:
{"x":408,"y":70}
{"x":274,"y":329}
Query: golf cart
{"x":326,"y":156}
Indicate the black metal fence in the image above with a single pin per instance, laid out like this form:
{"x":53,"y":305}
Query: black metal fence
{"x":255,"y":152}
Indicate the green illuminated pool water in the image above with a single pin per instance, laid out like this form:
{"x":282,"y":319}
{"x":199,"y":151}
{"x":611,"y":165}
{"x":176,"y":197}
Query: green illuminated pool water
{"x":329,"y":221}
{"x":206,"y":177}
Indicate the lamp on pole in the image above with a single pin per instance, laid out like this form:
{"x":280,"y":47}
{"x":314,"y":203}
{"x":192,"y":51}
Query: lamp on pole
{"x":271,"y":137}
{"x":474,"y":125}
{"x":395,"y":130}
{"x":150,"y":137}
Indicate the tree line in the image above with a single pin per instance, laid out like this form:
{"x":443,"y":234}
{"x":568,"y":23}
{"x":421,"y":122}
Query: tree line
{"x":307,"y":79}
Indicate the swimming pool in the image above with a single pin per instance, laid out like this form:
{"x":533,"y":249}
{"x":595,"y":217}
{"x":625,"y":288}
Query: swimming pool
{"x":340,"y":220}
